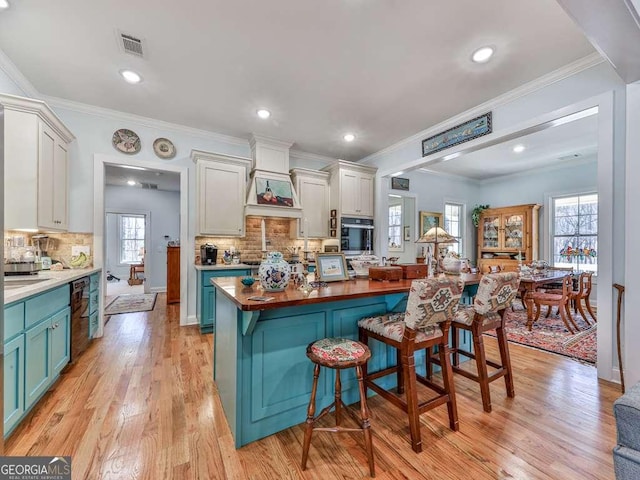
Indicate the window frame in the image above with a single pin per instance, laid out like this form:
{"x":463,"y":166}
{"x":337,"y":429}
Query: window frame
{"x":459,"y":248}
{"x":121,"y":239}
{"x":400,"y":247}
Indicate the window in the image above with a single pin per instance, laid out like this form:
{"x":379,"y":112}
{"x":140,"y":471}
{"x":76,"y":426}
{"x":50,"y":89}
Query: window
{"x":453,"y":225}
{"x":131,"y":238}
{"x":575,"y":232}
{"x":395,"y":227}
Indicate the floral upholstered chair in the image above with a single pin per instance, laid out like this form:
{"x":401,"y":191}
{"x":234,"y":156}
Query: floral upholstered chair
{"x":431,"y":305}
{"x":495,"y":294}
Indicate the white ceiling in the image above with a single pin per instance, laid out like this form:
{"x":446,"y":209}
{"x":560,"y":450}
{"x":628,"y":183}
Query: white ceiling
{"x":543,"y":149}
{"x":383,"y":69}
{"x":150,"y":179}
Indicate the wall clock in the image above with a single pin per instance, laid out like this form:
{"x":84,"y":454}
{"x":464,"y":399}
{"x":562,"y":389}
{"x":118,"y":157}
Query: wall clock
{"x":126,"y":141}
{"x":164,"y":148}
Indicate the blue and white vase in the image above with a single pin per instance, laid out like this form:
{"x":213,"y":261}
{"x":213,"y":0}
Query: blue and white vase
{"x":274,"y":273}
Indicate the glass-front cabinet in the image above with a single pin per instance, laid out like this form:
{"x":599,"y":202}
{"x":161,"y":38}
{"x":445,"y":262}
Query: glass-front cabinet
{"x":508,"y":236}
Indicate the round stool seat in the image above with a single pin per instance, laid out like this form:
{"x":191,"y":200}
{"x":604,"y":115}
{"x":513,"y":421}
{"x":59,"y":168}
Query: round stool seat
{"x":338,"y":352}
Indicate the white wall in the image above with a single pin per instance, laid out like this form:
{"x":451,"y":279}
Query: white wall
{"x":7,"y":85}
{"x":164,"y":219}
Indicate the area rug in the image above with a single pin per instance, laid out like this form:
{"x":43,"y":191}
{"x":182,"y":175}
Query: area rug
{"x":551,"y":335}
{"x":139,"y":302}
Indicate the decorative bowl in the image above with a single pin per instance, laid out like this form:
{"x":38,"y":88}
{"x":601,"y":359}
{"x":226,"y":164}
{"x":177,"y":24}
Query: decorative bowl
{"x":247,"y":281}
{"x":362,"y":263}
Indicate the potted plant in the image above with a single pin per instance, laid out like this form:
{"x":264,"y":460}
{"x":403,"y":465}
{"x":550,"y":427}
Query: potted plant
{"x":475,"y":213}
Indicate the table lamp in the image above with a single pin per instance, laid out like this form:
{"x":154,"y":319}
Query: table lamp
{"x":437,"y":236}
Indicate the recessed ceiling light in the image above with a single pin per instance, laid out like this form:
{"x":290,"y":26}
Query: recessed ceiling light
{"x":130,"y":76}
{"x":482,"y":54}
{"x":131,"y":182}
{"x":4,"y":4}
{"x":349,"y":137}
{"x":518,"y":149}
{"x":263,"y":113}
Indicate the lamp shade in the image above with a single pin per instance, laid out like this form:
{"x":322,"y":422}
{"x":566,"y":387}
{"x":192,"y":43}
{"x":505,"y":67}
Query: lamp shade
{"x":436,"y":235}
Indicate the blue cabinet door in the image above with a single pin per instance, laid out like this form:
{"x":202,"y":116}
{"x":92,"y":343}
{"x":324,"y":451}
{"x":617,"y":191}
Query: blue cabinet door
{"x":207,"y":295}
{"x":60,"y":340}
{"x":38,"y":373}
{"x":13,"y":382}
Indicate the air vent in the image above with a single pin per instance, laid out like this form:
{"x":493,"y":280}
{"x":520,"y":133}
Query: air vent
{"x":131,"y":44}
{"x":569,"y":157}
{"x":149,"y":186}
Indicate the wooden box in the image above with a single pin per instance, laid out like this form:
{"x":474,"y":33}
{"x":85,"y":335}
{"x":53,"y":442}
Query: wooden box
{"x":385,"y":273}
{"x":413,"y":270}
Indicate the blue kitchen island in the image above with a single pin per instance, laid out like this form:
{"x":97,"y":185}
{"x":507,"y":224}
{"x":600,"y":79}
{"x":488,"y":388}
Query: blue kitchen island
{"x":260,"y":365}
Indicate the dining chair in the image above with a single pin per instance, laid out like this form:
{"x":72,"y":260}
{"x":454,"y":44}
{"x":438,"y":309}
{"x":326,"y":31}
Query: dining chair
{"x":560,"y":300}
{"x":495,"y":294}
{"x":431,"y":305}
{"x":578,"y":295}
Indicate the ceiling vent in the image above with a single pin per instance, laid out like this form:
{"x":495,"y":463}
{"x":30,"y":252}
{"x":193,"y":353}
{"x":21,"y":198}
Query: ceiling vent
{"x":569,"y":157}
{"x":131,"y":44}
{"x":149,"y":186}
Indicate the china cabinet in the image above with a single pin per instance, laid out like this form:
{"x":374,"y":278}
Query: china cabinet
{"x":312,"y":187}
{"x":37,"y":143}
{"x":221,"y":186}
{"x":507,"y":236}
{"x":352,"y":188}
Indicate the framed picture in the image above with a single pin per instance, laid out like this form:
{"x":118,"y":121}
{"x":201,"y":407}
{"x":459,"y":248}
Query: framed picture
{"x":429,"y":220}
{"x":334,"y":213}
{"x":274,"y":192}
{"x":333,"y":234}
{"x":333,"y":223}
{"x":398,"y":183}
{"x":407,"y":233}
{"x":331,"y":267}
{"x":331,"y":248}
{"x":474,"y":128}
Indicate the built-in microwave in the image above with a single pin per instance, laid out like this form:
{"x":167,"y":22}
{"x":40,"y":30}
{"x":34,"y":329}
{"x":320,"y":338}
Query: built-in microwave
{"x":356,"y":235}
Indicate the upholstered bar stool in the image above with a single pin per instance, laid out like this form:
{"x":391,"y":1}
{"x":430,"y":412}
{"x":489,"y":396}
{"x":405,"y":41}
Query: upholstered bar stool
{"x":495,"y":294}
{"x":431,"y":305}
{"x":338,"y":353}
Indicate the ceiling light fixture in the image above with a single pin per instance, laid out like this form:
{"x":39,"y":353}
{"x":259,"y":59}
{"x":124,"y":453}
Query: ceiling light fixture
{"x":482,"y":54}
{"x":518,"y":149}
{"x":131,"y":182}
{"x":4,"y":4}
{"x":263,"y":113}
{"x":397,"y":174}
{"x":130,"y":76}
{"x":349,"y":137}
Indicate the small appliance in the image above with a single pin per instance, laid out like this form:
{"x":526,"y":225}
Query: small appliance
{"x":208,"y":254}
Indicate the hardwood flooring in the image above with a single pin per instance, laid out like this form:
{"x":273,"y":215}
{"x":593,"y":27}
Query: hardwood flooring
{"x":140,"y":403}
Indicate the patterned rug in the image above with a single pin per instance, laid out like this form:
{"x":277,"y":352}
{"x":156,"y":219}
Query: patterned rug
{"x":141,"y":302}
{"x":551,"y":335}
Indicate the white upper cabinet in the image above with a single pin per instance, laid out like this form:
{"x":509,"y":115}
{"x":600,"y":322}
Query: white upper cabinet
{"x":221,"y":192}
{"x":352,"y":189}
{"x":312,"y":187}
{"x":36,"y":166}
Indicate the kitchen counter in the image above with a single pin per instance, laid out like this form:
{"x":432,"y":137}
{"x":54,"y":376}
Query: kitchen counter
{"x":221,"y":266}
{"x":42,"y":281}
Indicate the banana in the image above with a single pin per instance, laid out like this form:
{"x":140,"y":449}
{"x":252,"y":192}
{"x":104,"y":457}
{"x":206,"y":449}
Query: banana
{"x":78,"y":261}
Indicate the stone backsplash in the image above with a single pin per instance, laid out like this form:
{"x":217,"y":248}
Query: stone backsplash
{"x":249,"y":246}
{"x":60,"y":243}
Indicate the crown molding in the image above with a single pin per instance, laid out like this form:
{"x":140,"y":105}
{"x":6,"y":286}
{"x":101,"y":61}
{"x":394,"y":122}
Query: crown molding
{"x":17,"y":77}
{"x":312,"y":157}
{"x":39,"y":108}
{"x":144,"y":121}
{"x":518,"y":92}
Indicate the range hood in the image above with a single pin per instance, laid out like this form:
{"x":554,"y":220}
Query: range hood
{"x":271,"y":193}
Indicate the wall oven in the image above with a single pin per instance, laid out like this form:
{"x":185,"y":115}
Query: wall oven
{"x":356,"y":235}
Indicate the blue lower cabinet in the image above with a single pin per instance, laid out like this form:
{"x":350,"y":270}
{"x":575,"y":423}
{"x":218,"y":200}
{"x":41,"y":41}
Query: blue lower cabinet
{"x":13,"y":382}
{"x":93,"y":324}
{"x":206,"y":302}
{"x":38,"y":372}
{"x":60,"y":340}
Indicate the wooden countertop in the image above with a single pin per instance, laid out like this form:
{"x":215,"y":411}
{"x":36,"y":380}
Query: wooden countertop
{"x":334,"y":291}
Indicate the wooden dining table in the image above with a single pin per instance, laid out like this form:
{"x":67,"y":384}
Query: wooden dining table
{"x":530,"y":283}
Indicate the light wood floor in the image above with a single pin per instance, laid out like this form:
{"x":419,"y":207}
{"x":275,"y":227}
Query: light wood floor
{"x":141,"y":404}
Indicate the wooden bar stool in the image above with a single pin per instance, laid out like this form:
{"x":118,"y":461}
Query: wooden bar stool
{"x":338,"y":353}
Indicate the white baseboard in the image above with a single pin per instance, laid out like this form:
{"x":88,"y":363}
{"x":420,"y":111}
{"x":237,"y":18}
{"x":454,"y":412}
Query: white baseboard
{"x":192,"y":320}
{"x":158,"y":289}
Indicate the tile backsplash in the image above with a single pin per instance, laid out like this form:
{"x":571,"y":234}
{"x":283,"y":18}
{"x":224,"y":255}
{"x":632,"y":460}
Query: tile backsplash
{"x":60,"y":243}
{"x":249,"y":246}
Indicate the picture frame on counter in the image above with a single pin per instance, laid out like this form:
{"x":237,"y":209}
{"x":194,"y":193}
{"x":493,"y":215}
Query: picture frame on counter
{"x":331,"y":267}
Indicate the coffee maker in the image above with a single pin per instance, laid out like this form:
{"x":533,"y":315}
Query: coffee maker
{"x":208,"y":254}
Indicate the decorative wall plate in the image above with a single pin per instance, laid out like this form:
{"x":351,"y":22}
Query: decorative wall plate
{"x":126,"y":141}
{"x":164,"y":148}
